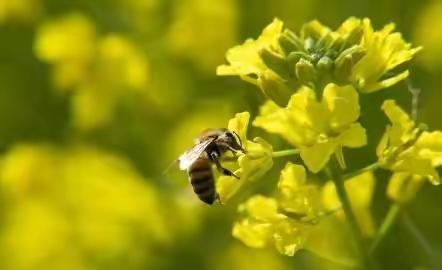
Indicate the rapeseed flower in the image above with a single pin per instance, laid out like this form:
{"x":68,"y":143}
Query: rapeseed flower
{"x":192,"y":36}
{"x":263,"y":225}
{"x":77,"y":200}
{"x":245,"y":61}
{"x":384,"y":51}
{"x":57,"y":43}
{"x":318,"y":128}
{"x":99,"y":71}
{"x":19,"y":10}
{"x":403,"y":186}
{"x":405,"y":147}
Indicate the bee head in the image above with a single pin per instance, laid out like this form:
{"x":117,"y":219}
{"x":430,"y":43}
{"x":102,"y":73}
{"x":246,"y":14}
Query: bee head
{"x":232,"y":138}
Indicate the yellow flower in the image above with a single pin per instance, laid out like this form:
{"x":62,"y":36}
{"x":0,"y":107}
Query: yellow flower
{"x":405,"y":148}
{"x":264,"y":225}
{"x":119,"y":68}
{"x":192,"y":32}
{"x":253,"y":164}
{"x":286,"y":221}
{"x":253,"y":234}
{"x":245,"y":61}
{"x":68,"y":201}
{"x":429,"y":36}
{"x":261,"y":208}
{"x":121,"y":64}
{"x":360,"y":190}
{"x":403,"y":186}
{"x":278,"y":62}
{"x":295,"y":195}
{"x":384,"y":51}
{"x":69,"y":44}
{"x":19,"y":10}
{"x":317,"y":128}
{"x":238,"y":256}
{"x":98,"y":70}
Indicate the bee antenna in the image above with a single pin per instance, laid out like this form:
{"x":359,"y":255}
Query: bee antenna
{"x":238,"y":138}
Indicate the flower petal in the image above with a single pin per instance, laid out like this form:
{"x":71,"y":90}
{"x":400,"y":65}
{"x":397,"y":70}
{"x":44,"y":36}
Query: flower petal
{"x":295,"y":195}
{"x":403,"y":186}
{"x":343,"y":103}
{"x":252,"y":233}
{"x":355,"y":136}
{"x":244,"y":59}
{"x":261,"y":208}
{"x":316,"y":156}
{"x":402,"y":125}
{"x":290,"y":236}
{"x":239,"y":124}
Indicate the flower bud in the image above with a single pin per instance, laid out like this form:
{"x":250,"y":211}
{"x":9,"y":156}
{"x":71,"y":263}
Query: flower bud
{"x":338,"y":44}
{"x":356,"y":52}
{"x":343,"y":69}
{"x":275,"y":62}
{"x":309,"y":44}
{"x":289,"y":42}
{"x":325,"y":41}
{"x":346,"y":61}
{"x":324,"y":65}
{"x":314,"y":29}
{"x":274,"y":88}
{"x":354,"y":37}
{"x":294,"y":58}
{"x":305,"y":71}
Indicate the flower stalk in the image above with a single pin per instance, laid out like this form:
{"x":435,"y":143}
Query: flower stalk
{"x":371,"y":167}
{"x":387,"y":224}
{"x":336,"y":176}
{"x":285,"y":153}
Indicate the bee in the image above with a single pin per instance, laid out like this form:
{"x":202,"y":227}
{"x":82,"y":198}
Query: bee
{"x":209,"y":148}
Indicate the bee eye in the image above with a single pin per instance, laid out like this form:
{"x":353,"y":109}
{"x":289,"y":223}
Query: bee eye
{"x":228,"y":134}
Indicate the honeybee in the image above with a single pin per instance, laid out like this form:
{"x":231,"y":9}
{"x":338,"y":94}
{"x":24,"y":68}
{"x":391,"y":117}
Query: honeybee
{"x":208,"y":149}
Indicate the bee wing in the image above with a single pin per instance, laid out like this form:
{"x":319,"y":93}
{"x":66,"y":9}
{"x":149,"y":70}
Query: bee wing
{"x":173,"y":166}
{"x":193,"y":154}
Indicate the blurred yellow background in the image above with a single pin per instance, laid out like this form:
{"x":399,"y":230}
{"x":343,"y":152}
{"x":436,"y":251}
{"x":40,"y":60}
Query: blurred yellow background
{"x":97,"y":98}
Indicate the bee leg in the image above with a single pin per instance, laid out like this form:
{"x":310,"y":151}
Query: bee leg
{"x":233,"y":150}
{"x":229,"y":159}
{"x":223,"y":170}
{"x":218,"y":198}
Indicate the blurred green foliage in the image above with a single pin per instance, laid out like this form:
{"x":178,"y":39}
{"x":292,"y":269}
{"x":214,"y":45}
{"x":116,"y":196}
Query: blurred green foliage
{"x":97,"y":98}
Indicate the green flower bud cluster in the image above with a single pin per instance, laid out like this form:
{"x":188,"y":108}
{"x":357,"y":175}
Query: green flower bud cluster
{"x":280,"y":61}
{"x":316,"y":56}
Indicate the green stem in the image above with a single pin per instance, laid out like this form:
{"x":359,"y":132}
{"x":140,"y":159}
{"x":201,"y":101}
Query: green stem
{"x":420,"y":237}
{"x":385,"y":227}
{"x":342,"y":261}
{"x":350,"y":217}
{"x":285,"y":153}
{"x":370,"y":167}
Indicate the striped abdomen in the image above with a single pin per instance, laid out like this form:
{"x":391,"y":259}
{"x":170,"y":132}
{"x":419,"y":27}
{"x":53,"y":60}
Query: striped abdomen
{"x":201,"y":178}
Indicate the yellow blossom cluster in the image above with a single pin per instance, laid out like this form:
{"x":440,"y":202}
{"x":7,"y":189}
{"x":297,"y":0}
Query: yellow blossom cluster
{"x":19,"y":10}
{"x":83,"y":204}
{"x":296,"y":213}
{"x":99,"y":70}
{"x":313,"y":83}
